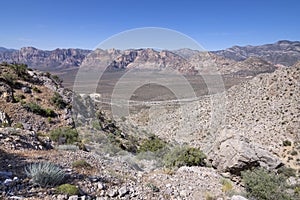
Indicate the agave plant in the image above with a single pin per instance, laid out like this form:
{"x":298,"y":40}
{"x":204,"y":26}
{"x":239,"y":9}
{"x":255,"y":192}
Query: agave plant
{"x":45,"y":174}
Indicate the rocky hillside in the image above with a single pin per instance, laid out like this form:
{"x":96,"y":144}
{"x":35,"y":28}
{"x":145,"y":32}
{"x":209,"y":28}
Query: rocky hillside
{"x":283,"y":52}
{"x":252,"y":66}
{"x":37,"y":129}
{"x":32,"y":100}
{"x":154,"y":154}
{"x":260,"y":115}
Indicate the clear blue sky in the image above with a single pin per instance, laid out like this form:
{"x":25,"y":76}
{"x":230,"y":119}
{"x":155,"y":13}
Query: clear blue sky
{"x":50,"y":24}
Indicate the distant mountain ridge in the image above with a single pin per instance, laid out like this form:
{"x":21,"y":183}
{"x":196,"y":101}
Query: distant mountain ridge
{"x":43,"y":59}
{"x":234,"y":60}
{"x":283,"y":52}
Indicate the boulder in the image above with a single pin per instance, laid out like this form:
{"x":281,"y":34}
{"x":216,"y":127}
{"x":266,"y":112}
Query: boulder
{"x":233,"y":153}
{"x":6,"y":92}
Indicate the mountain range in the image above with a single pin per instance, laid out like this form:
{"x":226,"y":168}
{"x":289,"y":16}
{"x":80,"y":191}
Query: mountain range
{"x":247,"y":60}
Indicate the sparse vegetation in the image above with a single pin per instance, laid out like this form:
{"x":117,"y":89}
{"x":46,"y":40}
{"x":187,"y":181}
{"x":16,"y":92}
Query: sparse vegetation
{"x":18,"y":125}
{"x":227,"y":186}
{"x":153,"y":187}
{"x":9,"y":78}
{"x":37,"y":109}
{"x":294,"y":153}
{"x":81,"y":164}
{"x":64,"y":135}
{"x":45,"y":174}
{"x":287,"y":143}
{"x":68,"y":189}
{"x":20,"y":69}
{"x":153,"y":144}
{"x":36,"y":90}
{"x":19,"y":97}
{"x":261,"y":184}
{"x":286,"y":171}
{"x":184,"y":156}
{"x":58,"y":101}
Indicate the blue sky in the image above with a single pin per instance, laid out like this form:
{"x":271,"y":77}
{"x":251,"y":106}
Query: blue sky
{"x":50,"y":24}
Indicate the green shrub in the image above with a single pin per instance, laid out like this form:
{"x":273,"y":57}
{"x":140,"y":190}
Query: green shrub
{"x":37,"y":109}
{"x":226,"y":186}
{"x":96,"y":125}
{"x":184,"y":156}
{"x":81,"y":164}
{"x":153,"y":187}
{"x":20,"y":70}
{"x":287,"y":143}
{"x":4,"y":124}
{"x":286,"y":171}
{"x":68,"y":189}
{"x":19,"y":97}
{"x":10,"y":79}
{"x":153,"y":144}
{"x":58,"y":101}
{"x":45,"y":174}
{"x":64,"y":135}
{"x":264,"y":185}
{"x":36,"y":90}
{"x":294,"y":153}
{"x":18,"y":125}
{"x":49,"y":113}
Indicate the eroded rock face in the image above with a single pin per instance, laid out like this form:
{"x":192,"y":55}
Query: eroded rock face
{"x":233,"y":153}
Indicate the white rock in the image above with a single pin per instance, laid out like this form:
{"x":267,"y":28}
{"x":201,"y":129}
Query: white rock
{"x":73,"y":197}
{"x":238,"y":197}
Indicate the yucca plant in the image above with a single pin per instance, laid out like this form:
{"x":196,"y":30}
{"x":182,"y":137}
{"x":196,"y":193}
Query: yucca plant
{"x":45,"y":174}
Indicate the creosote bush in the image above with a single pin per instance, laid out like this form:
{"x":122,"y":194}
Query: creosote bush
{"x":153,"y":144}
{"x":45,"y":174}
{"x":264,"y":185}
{"x":64,"y":135}
{"x":184,"y":156}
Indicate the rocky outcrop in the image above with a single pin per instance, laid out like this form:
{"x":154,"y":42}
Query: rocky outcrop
{"x":282,"y":52}
{"x":18,"y":139}
{"x":234,"y":154}
{"x":34,"y":101}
